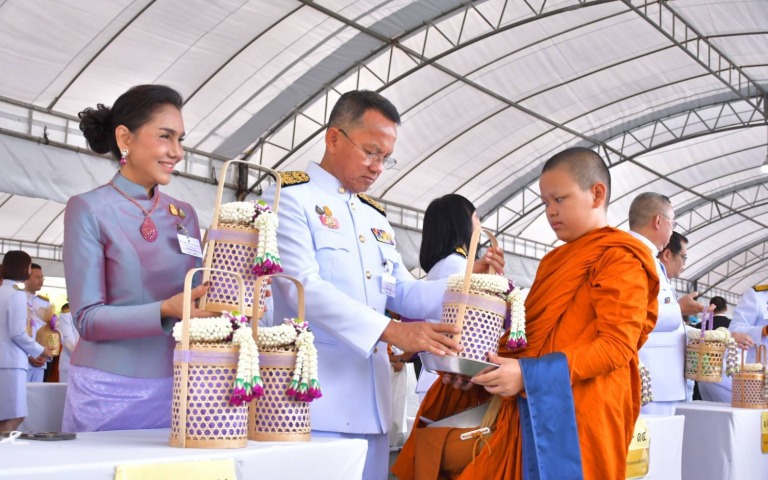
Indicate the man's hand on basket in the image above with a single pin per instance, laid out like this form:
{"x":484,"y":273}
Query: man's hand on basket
{"x":494,"y":257}
{"x":174,"y":306}
{"x":743,"y":340}
{"x":507,"y":380}
{"x":422,"y":337}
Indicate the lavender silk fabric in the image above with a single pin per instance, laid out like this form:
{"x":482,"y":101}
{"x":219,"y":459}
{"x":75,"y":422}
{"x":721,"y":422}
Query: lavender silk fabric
{"x":98,"y":400}
{"x":116,"y":282}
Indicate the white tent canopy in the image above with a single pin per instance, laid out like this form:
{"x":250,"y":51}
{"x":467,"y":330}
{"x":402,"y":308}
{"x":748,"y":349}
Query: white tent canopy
{"x":672,"y":94}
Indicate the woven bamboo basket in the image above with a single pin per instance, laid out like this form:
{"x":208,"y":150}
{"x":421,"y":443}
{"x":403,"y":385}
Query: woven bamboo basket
{"x":275,"y":417}
{"x":232,"y":248}
{"x":203,"y":380}
{"x":748,"y":387}
{"x":479,"y":315}
{"x":704,"y":358}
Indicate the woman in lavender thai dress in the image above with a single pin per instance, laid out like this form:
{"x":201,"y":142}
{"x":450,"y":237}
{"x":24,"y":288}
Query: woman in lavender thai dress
{"x":125,"y":268}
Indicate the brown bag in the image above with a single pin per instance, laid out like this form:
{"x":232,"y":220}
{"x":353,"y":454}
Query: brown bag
{"x":444,"y":452}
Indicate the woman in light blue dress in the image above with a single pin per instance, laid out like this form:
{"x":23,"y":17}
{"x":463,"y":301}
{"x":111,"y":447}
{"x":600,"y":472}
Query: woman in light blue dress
{"x":16,"y":344}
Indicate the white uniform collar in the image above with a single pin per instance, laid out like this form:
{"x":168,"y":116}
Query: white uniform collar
{"x":326,"y":181}
{"x":648,"y":243}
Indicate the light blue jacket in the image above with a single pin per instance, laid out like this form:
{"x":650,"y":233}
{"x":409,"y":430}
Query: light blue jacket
{"x":15,"y":344}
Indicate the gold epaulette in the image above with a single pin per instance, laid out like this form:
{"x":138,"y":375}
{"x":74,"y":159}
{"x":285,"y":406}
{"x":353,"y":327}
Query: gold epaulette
{"x":18,"y":286}
{"x":461,"y":251}
{"x":295,"y":177}
{"x":761,"y":288}
{"x":43,"y":297}
{"x":372,"y":203}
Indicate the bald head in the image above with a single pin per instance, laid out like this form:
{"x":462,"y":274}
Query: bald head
{"x":584,"y":166}
{"x":645,"y":207}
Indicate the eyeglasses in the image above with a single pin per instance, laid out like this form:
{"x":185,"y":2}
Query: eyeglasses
{"x":684,"y":257}
{"x":672,"y":222}
{"x":386,"y":162}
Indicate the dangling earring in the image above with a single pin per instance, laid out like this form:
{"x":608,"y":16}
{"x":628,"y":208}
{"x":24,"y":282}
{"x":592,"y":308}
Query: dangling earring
{"x":123,"y":159}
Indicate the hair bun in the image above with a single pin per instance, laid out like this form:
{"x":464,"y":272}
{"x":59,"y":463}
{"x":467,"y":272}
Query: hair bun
{"x":96,"y":126}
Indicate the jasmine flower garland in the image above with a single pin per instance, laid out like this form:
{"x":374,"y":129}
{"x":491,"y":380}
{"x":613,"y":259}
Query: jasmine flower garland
{"x":304,"y":384}
{"x":267,"y":259}
{"x":230,"y":328}
{"x":480,"y":283}
{"x":259,"y":216}
{"x":517,"y":338}
{"x":646,"y":394}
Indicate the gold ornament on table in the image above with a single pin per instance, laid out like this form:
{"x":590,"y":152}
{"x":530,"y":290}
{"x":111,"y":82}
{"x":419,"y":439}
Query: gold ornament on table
{"x":48,"y":335}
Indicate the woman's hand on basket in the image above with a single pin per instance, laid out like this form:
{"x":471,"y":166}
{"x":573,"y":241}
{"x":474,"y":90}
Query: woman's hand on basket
{"x":421,"y":337}
{"x":174,"y":306}
{"x":507,"y":380}
{"x":743,"y":340}
{"x":494,"y":257}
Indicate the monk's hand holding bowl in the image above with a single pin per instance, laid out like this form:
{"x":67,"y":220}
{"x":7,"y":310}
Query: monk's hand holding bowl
{"x":506,"y":380}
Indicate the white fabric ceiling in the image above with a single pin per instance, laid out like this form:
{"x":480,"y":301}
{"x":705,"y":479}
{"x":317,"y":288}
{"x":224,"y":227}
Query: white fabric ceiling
{"x":672,"y":94}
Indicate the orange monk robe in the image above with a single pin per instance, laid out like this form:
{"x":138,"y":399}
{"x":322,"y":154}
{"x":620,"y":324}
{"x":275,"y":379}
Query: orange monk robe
{"x":594,"y":299}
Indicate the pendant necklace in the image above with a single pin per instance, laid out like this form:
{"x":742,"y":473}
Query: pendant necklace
{"x":148,"y":229}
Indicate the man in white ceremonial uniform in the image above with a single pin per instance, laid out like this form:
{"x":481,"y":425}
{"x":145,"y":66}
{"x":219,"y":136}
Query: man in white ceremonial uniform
{"x":652,"y":220}
{"x":750,"y":320}
{"x":35,"y":303}
{"x":339,"y":244}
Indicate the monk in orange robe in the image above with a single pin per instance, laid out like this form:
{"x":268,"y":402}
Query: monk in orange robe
{"x":594,"y":300}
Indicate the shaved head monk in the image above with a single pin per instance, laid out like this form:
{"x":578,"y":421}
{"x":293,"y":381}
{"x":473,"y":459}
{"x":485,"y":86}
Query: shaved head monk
{"x":564,"y":406}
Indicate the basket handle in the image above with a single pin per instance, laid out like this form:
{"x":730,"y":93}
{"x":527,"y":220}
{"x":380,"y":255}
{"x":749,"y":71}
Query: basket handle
{"x":471,"y":256}
{"x":223,"y":177}
{"x":760,"y":354}
{"x":299,"y":289}
{"x":185,"y":320}
{"x":707,"y":322}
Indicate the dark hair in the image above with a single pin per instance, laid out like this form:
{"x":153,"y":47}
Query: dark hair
{"x":585,"y":168}
{"x":351,"y":106}
{"x":133,"y":109}
{"x":16,"y":265}
{"x":36,"y":267}
{"x":447,"y":226}
{"x":719,"y":303}
{"x":675,"y":244}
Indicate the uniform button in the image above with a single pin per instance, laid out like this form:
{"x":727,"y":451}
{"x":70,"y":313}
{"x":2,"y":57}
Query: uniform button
{"x":342,"y":189}
{"x":375,"y":349}
{"x":362,"y":238}
{"x":368,"y":274}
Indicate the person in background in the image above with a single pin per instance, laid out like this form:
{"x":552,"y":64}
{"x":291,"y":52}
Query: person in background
{"x":17,"y":348}
{"x":749,"y":326}
{"x":446,"y":232}
{"x":652,"y":220}
{"x":36,"y":305}
{"x":69,"y":338}
{"x":673,"y":257}
{"x":125,"y":267}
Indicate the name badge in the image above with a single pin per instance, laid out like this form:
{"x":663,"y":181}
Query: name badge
{"x":190,"y":246}
{"x":388,"y":281}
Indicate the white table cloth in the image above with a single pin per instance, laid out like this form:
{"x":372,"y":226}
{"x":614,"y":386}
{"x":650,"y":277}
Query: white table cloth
{"x":722,"y":443}
{"x":93,"y":456}
{"x":45,"y":402}
{"x":666,"y":446}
